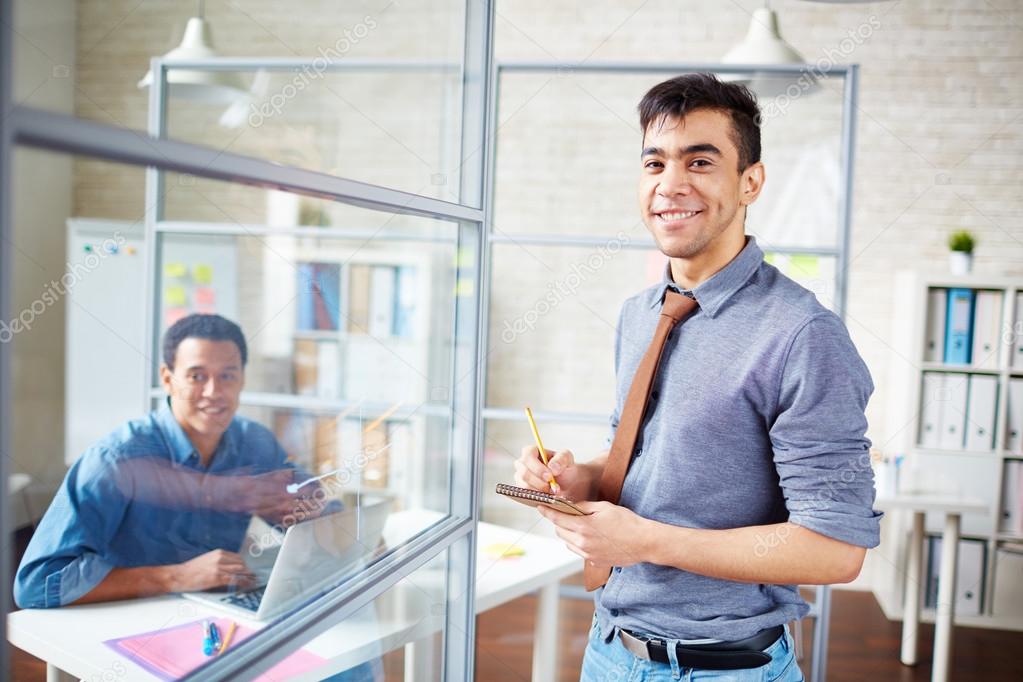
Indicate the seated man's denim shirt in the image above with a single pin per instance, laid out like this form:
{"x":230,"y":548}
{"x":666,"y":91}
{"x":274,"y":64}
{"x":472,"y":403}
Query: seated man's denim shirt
{"x":122,"y":505}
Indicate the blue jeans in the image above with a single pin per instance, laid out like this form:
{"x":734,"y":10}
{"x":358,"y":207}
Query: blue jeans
{"x":613,"y":663}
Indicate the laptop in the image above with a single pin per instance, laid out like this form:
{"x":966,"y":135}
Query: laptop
{"x":310,"y":556}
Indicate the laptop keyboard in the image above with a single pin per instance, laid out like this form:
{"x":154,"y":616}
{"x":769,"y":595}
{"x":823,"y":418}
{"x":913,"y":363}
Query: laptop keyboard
{"x":248,"y":600}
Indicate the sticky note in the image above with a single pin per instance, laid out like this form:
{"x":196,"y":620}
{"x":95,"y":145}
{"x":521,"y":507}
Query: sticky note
{"x":175,"y":270}
{"x":202,"y":273}
{"x":205,"y":296}
{"x":174,"y":296}
{"x":172,"y":315}
{"x":501,"y":550}
{"x":804,"y":265}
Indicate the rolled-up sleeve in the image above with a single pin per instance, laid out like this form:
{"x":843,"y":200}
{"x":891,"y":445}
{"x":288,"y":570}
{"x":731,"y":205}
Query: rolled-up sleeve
{"x":65,"y":559}
{"x":821,"y":452}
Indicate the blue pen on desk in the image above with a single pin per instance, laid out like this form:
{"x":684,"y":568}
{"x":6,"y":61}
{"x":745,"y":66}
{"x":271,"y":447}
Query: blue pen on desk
{"x":216,"y":636}
{"x":208,"y":644}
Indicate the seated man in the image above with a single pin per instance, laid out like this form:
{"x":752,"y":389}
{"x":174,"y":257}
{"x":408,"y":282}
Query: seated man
{"x":162,"y":504}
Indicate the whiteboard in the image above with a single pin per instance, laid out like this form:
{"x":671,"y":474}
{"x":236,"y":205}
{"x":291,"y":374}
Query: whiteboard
{"x":105,"y":333}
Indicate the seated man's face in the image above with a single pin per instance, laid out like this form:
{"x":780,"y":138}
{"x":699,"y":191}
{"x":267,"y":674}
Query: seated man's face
{"x":204,"y":385}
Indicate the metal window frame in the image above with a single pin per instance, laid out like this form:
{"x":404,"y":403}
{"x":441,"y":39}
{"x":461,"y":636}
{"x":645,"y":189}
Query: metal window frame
{"x":6,"y":300}
{"x":29,"y":127}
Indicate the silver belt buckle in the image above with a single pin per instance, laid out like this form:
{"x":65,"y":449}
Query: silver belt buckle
{"x":634,"y":645}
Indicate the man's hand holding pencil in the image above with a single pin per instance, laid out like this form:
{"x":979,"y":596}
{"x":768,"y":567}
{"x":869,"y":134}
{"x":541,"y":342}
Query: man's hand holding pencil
{"x":559,"y":474}
{"x":607,"y":535}
{"x":574,"y":481}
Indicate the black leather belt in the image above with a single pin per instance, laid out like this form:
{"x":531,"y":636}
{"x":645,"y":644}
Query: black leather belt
{"x":736,"y":655}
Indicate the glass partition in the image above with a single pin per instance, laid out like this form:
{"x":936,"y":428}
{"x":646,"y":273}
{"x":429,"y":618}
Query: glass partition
{"x":546,"y":161}
{"x":344,"y":111}
{"x":351,"y":122}
{"x":546,"y":299}
{"x":304,"y":436}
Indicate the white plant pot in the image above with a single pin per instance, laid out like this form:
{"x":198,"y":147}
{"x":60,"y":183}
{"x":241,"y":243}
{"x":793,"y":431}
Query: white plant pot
{"x":960,"y":262}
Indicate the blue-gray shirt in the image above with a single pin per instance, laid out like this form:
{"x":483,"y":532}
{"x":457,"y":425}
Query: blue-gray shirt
{"x":756,"y":416}
{"x":140,"y":497}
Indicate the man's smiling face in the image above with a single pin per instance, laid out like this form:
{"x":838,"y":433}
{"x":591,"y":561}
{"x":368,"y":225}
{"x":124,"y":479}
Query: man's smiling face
{"x":690,"y":188}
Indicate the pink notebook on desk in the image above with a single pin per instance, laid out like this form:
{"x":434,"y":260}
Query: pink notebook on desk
{"x":173,"y":653}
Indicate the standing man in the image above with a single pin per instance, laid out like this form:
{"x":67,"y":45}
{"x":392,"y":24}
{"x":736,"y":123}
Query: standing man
{"x":738,"y":466}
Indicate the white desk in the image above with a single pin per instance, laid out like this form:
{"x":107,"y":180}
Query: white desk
{"x":70,"y":639}
{"x":952,"y":507}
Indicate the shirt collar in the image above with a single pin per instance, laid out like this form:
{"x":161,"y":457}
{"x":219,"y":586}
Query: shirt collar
{"x":713,"y":293}
{"x":181,"y":448}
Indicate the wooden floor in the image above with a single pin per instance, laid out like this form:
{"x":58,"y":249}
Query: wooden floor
{"x":864,"y":646}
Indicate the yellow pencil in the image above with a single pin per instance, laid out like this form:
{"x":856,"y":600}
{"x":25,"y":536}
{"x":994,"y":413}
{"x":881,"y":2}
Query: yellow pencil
{"x":543,"y":453}
{"x":227,"y":638}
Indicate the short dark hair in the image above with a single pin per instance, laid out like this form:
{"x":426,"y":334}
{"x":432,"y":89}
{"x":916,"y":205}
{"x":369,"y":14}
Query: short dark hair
{"x":676,"y":97}
{"x":198,"y":326}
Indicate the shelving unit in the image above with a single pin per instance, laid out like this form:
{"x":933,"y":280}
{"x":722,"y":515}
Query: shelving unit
{"x":382,"y":369}
{"x":976,"y":472}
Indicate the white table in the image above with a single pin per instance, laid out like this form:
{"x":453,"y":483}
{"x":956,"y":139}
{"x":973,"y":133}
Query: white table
{"x":70,"y":639}
{"x":953,"y":507}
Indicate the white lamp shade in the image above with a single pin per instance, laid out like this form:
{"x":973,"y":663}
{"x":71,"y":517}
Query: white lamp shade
{"x":214,"y":87}
{"x":763,"y":44}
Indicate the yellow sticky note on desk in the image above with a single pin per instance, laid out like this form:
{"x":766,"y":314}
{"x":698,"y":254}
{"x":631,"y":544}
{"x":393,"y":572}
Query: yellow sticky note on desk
{"x":202,"y":273}
{"x":503,"y":550}
{"x":174,"y":296}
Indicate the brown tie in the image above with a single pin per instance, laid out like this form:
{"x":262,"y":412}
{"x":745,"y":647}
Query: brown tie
{"x":676,"y":308}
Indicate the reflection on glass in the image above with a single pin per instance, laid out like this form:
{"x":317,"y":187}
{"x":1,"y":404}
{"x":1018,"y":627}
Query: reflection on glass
{"x":334,"y":318}
{"x":398,"y":636}
{"x":352,"y":123}
{"x":197,"y":508}
{"x":196,"y":499}
{"x":548,"y":298}
{"x":801,"y":141}
{"x":398,"y":453}
{"x":345,"y":110}
{"x":168,"y":502}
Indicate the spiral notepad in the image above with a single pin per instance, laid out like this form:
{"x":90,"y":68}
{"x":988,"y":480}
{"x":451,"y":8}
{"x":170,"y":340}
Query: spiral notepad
{"x":534,"y":498}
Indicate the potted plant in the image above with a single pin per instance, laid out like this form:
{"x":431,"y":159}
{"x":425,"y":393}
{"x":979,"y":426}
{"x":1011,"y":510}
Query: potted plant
{"x":960,"y":257}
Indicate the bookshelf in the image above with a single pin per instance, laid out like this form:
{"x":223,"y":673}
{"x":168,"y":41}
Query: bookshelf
{"x":361,"y":338}
{"x":956,"y":411}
